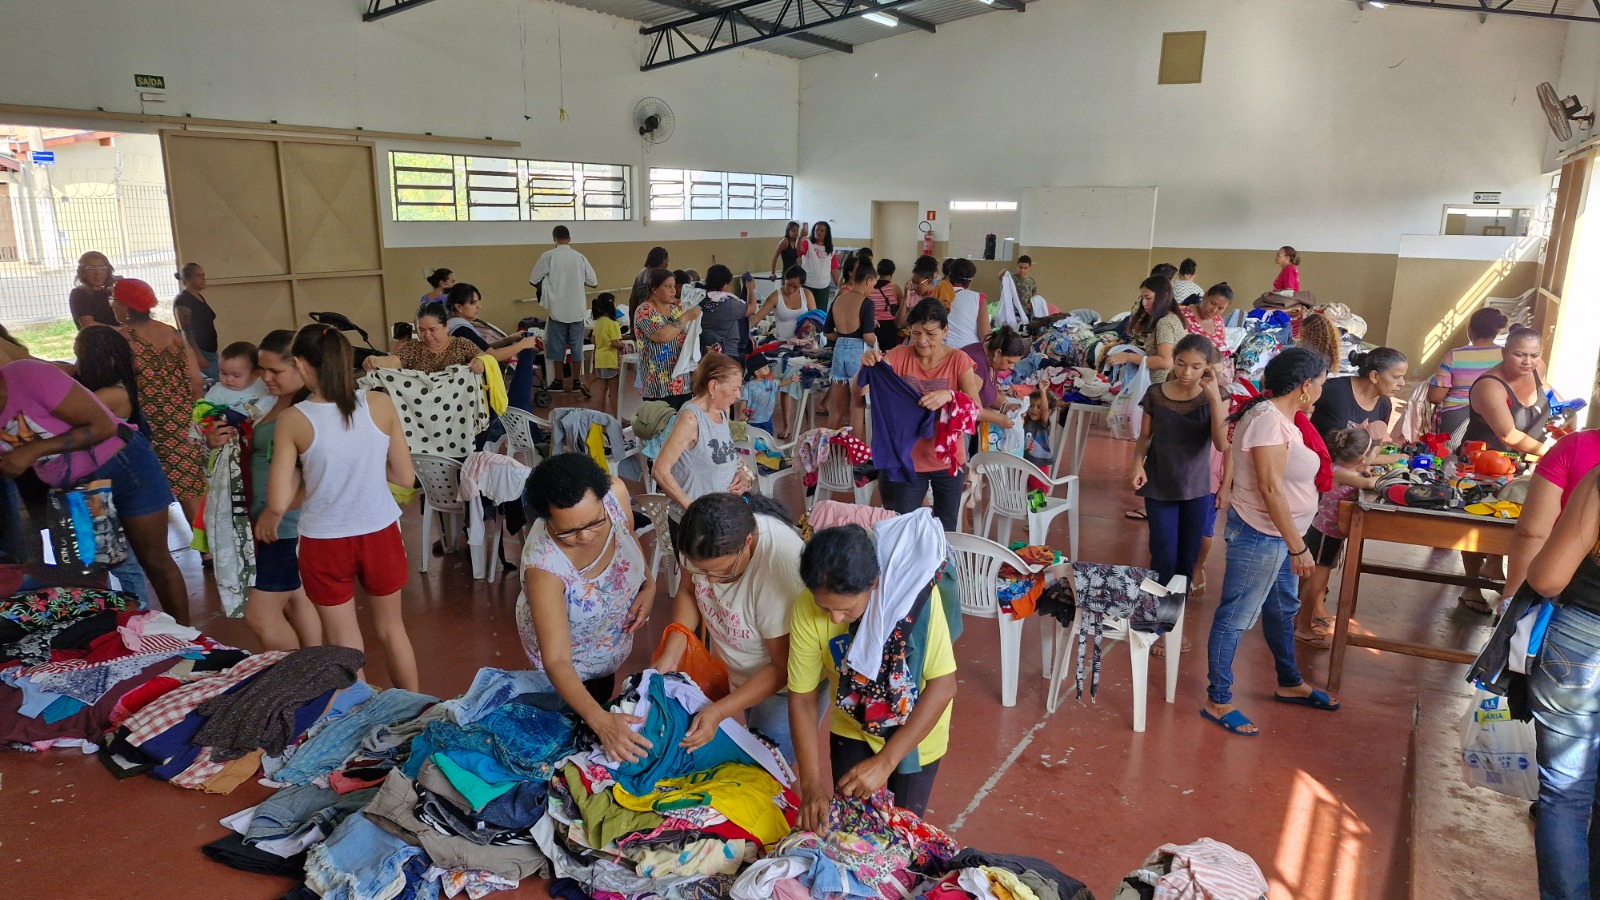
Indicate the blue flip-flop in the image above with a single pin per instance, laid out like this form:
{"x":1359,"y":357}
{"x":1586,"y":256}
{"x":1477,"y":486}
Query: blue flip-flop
{"x":1315,"y":700}
{"x":1233,"y":721}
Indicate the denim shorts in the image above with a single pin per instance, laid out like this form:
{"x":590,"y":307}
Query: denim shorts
{"x":139,"y":485}
{"x":559,"y":337}
{"x":278,"y":566}
{"x":847,"y":358}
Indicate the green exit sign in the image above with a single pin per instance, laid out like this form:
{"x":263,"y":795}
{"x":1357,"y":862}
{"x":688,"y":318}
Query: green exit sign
{"x":150,"y":82}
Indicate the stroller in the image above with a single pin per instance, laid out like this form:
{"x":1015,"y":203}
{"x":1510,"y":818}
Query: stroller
{"x":342,"y":322}
{"x":541,"y":390}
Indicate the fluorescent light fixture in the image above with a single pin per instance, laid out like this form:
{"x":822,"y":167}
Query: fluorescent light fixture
{"x":987,"y":2}
{"x":881,"y":19}
{"x":1375,"y":4}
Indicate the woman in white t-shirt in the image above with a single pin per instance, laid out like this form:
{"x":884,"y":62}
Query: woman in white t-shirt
{"x":969,"y":315}
{"x":741,"y":575}
{"x":1274,"y":498}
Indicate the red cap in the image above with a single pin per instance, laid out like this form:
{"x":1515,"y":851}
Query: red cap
{"x":134,"y":294}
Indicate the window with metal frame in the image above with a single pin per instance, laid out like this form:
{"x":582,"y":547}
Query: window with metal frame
{"x":441,"y":187}
{"x":697,"y":195}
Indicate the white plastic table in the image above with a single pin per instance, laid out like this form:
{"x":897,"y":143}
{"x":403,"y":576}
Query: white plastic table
{"x":1080,"y":416}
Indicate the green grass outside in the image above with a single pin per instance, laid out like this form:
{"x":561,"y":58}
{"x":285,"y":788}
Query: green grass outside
{"x":48,"y":340}
{"x":53,"y":340}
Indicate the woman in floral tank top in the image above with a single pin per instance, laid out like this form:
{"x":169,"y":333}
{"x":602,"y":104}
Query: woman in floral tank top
{"x":586,"y":590}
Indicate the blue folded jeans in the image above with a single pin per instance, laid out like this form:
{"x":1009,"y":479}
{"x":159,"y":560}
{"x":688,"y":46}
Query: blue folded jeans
{"x":1259,"y":584}
{"x":341,"y":738}
{"x":1565,"y":694}
{"x":359,"y":861}
{"x":492,"y":688}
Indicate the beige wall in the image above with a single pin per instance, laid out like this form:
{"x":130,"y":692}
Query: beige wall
{"x":501,"y":272}
{"x":1106,"y":281}
{"x":1418,"y":306}
{"x":1433,"y":298}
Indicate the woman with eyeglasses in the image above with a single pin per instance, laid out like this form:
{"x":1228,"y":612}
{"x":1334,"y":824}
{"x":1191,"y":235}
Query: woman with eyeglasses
{"x":585,"y":591}
{"x":741,"y":574}
{"x":90,"y":300}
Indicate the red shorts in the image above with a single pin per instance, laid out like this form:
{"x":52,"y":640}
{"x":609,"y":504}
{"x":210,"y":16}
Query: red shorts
{"x":330,"y":567}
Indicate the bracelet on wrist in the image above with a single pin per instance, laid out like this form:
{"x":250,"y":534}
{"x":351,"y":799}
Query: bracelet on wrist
{"x":1301,"y":551}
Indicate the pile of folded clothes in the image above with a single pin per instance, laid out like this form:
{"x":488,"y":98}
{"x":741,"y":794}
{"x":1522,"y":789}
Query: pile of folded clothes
{"x":394,"y":795}
{"x":76,"y":661}
{"x":677,"y":822}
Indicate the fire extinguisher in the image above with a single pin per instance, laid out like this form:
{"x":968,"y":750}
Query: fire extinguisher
{"x":927,"y":238}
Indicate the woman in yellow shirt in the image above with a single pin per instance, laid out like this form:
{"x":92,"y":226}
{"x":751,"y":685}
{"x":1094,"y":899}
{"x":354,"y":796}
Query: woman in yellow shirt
{"x":840,"y":569}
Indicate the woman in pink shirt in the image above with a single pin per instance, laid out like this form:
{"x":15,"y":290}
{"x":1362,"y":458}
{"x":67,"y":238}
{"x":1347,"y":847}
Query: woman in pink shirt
{"x":1558,"y":472}
{"x":1274,"y":499}
{"x":1288,"y":270}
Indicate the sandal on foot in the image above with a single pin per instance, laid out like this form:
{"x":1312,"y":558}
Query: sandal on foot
{"x":1159,"y":648}
{"x":1315,"y":700}
{"x":1319,"y":641}
{"x":1233,"y":721}
{"x":1135,"y":514}
{"x":1477,"y":605}
{"x":1197,"y":587}
{"x":1324,"y":624}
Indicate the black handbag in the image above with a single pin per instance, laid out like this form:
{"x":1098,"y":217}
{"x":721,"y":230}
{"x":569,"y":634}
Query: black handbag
{"x":85,"y":533}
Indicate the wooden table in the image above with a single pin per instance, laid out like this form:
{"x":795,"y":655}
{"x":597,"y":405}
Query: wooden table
{"x":1369,"y":520}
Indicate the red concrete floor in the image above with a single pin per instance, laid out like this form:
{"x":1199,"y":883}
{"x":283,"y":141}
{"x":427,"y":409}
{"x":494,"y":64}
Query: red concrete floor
{"x":1317,"y":799}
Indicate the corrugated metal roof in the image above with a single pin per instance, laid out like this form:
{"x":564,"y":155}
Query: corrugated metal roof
{"x":850,"y":31}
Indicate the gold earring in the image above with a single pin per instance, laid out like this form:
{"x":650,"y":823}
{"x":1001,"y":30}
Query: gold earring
{"x":1303,"y":398}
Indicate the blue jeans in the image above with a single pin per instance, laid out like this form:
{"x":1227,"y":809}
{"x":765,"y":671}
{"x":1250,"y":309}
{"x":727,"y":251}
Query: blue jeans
{"x":1176,"y":529}
{"x":1259,"y":583}
{"x":139,"y":485}
{"x":771,"y":718}
{"x":847,"y":359}
{"x":1565,"y":693}
{"x":341,"y":738}
{"x":131,"y":580}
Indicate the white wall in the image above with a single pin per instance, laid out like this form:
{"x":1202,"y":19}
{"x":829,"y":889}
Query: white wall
{"x":453,"y":68}
{"x":1580,"y":76}
{"x":1317,"y":124}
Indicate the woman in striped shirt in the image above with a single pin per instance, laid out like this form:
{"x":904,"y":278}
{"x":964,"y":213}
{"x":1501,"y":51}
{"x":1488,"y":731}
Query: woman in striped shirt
{"x":1451,"y":387}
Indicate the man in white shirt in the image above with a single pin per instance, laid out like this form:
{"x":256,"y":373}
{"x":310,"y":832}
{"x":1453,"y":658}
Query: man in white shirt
{"x":562,"y":273}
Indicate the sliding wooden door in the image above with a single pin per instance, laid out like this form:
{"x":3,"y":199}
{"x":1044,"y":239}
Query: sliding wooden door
{"x":283,"y":226}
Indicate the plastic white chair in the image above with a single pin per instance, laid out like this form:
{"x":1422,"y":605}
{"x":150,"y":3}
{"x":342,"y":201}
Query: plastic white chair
{"x":518,"y":441}
{"x":978,"y":564}
{"x":1139,"y":643}
{"x":1007,"y":477}
{"x":625,"y":362}
{"x":441,"y":490}
{"x":767,"y":482}
{"x":837,"y":475}
{"x":658,"y":509}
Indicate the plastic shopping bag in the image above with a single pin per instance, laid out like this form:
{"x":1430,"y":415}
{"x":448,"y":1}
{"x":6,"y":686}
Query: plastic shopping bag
{"x":1497,"y":751}
{"x":704,"y":669}
{"x":1126,"y":417}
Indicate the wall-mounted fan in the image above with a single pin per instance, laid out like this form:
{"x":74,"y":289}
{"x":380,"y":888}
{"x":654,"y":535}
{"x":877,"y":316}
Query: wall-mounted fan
{"x":653,"y":118}
{"x":1562,"y":113}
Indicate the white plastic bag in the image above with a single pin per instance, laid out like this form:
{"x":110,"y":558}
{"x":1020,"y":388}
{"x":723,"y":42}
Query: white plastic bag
{"x":1126,"y":417}
{"x":1497,"y":751}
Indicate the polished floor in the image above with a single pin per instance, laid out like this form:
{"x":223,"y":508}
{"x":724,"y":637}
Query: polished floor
{"x":1318,"y":799}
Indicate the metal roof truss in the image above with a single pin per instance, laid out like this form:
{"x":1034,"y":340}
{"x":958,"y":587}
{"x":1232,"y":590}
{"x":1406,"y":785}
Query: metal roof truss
{"x":734,"y":26}
{"x":1563,"y":10}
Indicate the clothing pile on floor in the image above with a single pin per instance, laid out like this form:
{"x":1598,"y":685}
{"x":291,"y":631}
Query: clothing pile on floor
{"x":385,"y":794}
{"x":978,"y":875}
{"x":78,"y":661}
